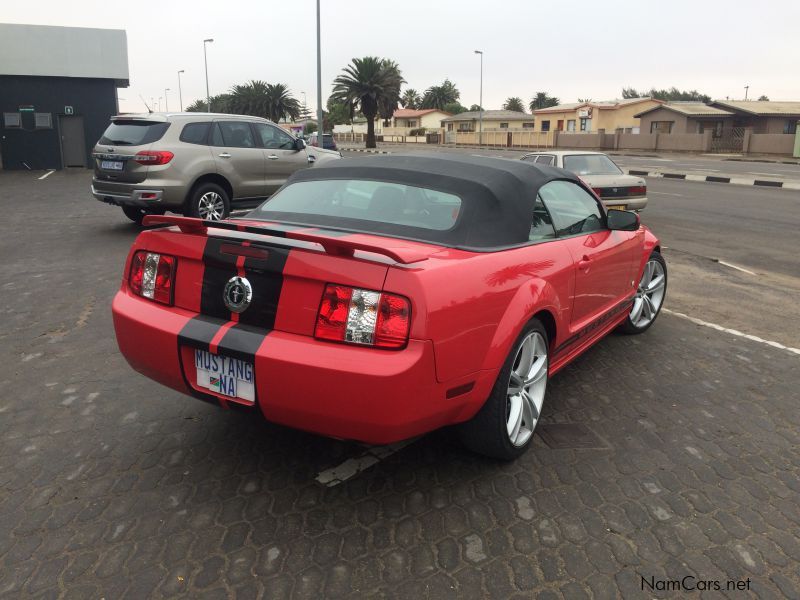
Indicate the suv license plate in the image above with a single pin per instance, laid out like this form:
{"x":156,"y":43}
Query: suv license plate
{"x":111,"y":165}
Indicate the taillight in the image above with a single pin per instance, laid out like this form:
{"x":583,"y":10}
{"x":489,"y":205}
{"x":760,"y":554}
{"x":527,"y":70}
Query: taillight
{"x":597,"y":192}
{"x":153,"y":157}
{"x":365,"y":317}
{"x":152,"y":276}
{"x":637,"y":190}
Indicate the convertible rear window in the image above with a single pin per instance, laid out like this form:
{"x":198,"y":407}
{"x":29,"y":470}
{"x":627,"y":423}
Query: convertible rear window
{"x":345,"y":202}
{"x":133,"y":133}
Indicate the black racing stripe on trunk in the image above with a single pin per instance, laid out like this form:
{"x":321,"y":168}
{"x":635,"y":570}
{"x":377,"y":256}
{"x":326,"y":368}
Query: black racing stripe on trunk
{"x":266,"y":279}
{"x":242,"y":341}
{"x":218,"y":269}
{"x":199,"y":331}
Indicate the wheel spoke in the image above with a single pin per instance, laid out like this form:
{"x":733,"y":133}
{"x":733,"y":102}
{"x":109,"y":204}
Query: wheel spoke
{"x":530,"y":410}
{"x":647,"y":275}
{"x":537,"y":371}
{"x":647,"y":306}
{"x":636,"y":311}
{"x":656,"y":284}
{"x":514,"y":417}
{"x":515,"y":385}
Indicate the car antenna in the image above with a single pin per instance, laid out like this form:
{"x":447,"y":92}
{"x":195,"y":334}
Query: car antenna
{"x":150,"y":110}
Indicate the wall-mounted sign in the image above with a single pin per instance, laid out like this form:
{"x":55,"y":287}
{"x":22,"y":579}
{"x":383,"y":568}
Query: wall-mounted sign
{"x":585,"y":113}
{"x":26,"y":108}
{"x":68,"y":110}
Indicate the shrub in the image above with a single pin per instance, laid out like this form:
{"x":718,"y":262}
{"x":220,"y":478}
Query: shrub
{"x":418,"y":131}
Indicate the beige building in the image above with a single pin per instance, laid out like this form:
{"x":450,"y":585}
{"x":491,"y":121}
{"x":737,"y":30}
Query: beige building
{"x":763,"y":116}
{"x":685,"y":117}
{"x":493,"y":120}
{"x":430,"y":118}
{"x":591,"y":117}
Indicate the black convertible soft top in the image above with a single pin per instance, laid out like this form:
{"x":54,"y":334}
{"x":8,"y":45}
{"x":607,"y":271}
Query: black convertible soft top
{"x":497,"y":194}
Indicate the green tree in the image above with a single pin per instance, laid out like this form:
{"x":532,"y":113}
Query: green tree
{"x":542,"y":100}
{"x":437,"y":96}
{"x":672,"y":94}
{"x":219,"y":104}
{"x":763,"y":98}
{"x":454,"y":108}
{"x":388,"y":104}
{"x":410,"y":99}
{"x":514,"y":103}
{"x":369,"y":84}
{"x":280,"y":103}
{"x":337,"y":113}
{"x":260,"y":99}
{"x":475,"y":108}
{"x":584,"y":100}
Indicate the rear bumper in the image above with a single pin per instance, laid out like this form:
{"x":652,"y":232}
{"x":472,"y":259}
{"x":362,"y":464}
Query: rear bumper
{"x":628,"y":203}
{"x":141,"y":195}
{"x":335,"y":390}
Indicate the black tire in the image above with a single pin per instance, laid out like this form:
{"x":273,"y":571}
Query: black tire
{"x":134,"y":213}
{"x":486,"y":433}
{"x":628,"y":327}
{"x":193,"y":208}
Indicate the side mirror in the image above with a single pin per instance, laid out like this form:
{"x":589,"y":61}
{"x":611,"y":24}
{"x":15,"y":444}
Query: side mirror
{"x":299,"y":144}
{"x":623,"y":220}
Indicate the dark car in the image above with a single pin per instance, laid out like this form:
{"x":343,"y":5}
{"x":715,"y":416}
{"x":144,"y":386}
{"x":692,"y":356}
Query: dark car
{"x":328,"y":143}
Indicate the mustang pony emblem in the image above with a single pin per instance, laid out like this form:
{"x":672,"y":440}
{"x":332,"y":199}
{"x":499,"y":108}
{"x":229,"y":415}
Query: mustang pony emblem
{"x":238,"y":294}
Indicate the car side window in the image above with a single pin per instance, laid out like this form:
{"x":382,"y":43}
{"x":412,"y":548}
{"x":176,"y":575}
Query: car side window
{"x":530,"y":158}
{"x":236,"y":134}
{"x":542,"y":225}
{"x":195,"y":133}
{"x":272,"y":138}
{"x":573,"y":210}
{"x":545,"y":159}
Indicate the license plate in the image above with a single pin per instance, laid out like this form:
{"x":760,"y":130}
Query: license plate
{"x":225,"y":375}
{"x":616,"y":207}
{"x":111,"y":165}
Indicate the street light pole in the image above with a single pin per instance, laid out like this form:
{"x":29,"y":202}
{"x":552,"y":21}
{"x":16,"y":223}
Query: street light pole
{"x":166,"y":100}
{"x":159,"y":103}
{"x":180,"y":94}
{"x":205,"y":58}
{"x":746,"y":89}
{"x":319,"y":78}
{"x":480,"y":103}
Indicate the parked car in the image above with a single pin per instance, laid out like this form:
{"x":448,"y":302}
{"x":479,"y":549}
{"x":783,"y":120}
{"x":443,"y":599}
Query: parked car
{"x":196,"y":164}
{"x":328,"y":143}
{"x":615,"y":188}
{"x":378,"y":298}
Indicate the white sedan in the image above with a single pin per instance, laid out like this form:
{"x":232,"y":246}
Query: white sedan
{"x":598,"y":171}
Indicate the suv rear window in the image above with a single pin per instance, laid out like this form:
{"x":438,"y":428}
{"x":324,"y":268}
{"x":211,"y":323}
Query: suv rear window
{"x":133,"y":133}
{"x":343,"y":202}
{"x":195,"y":133}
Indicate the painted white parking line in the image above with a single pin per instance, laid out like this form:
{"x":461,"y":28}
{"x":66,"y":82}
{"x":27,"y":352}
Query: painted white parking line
{"x":46,"y":175}
{"x":742,"y":269}
{"x":735,"y":332}
{"x":353,"y":466}
{"x":767,"y":174}
{"x":665,"y":193}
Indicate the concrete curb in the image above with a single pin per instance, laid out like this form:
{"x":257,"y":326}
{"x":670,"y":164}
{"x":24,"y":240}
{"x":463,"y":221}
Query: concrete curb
{"x":789,"y":185}
{"x":367,"y":150}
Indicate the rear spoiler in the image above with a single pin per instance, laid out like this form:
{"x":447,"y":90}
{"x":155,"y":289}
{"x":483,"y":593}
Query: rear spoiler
{"x":339,"y":246}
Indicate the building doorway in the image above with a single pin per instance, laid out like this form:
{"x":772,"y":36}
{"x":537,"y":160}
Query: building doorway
{"x":73,"y":142}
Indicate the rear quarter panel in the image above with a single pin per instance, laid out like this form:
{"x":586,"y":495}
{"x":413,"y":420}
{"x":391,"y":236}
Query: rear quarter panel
{"x":473,"y":305}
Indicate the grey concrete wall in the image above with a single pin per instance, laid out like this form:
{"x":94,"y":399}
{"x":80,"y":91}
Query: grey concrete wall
{"x":640,"y":141}
{"x":685,"y":142}
{"x":580,"y":140}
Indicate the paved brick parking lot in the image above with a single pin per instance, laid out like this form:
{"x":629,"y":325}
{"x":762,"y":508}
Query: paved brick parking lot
{"x":112,"y":486}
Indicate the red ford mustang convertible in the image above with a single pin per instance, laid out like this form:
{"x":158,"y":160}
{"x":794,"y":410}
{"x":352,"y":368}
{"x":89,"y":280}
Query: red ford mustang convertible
{"x":379,"y":298}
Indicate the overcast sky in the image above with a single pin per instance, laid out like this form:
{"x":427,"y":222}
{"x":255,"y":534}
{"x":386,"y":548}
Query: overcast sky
{"x":568,"y":49}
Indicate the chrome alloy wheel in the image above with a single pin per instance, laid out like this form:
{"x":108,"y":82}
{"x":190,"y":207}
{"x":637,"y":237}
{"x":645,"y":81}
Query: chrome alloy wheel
{"x":649,"y":295}
{"x":526,"y":388}
{"x":211,"y":207}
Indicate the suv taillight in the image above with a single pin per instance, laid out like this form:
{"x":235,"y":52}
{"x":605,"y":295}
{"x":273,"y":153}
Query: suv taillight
{"x":366,"y":317}
{"x":152,"y":276}
{"x":153,"y":157}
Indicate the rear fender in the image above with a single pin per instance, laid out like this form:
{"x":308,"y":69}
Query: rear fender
{"x":532,"y":297}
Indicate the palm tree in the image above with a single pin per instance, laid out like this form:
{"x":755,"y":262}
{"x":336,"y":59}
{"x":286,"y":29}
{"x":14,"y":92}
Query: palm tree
{"x":219,"y":103}
{"x":542,"y":100}
{"x":514,"y":103}
{"x":410,"y":98}
{"x":369,"y":84}
{"x":437,"y":96}
{"x":280,"y":103}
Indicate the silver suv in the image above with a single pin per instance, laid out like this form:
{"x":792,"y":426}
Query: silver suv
{"x":196,"y":164}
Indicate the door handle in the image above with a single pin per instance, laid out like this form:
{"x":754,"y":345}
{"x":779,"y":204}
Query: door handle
{"x":224,"y":155}
{"x":584,"y":263}
{"x":273,"y":157}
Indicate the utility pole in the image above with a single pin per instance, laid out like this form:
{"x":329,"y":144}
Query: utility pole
{"x":746,"y":89}
{"x":180,"y":94}
{"x":166,"y":100}
{"x":205,"y":58}
{"x":319,"y":79}
{"x":480,"y":103}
